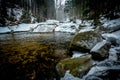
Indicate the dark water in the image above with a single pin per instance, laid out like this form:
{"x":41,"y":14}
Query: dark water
{"x":32,"y":56}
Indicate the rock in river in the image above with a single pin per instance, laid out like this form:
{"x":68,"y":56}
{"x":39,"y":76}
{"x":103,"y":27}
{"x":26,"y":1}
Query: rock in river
{"x":85,"y":41}
{"x":77,"y":66}
{"x":101,"y":50}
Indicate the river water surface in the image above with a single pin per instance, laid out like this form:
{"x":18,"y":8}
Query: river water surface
{"x":32,"y":56}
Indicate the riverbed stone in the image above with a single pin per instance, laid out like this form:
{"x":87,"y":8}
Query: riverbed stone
{"x":101,"y":50}
{"x":77,"y":66}
{"x":85,"y":41}
{"x":27,"y":60}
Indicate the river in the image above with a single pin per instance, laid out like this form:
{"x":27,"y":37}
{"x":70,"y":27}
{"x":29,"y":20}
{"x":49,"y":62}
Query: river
{"x":32,"y":56}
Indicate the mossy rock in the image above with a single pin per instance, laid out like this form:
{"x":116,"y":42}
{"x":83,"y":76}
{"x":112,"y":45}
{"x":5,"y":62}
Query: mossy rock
{"x":77,"y":66}
{"x":85,"y":41}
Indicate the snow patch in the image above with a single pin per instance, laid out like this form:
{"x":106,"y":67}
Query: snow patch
{"x":78,"y":21}
{"x":69,"y":76}
{"x":67,"y":27}
{"x":112,"y":54}
{"x":87,"y":23}
{"x":16,"y":13}
{"x":45,"y":28}
{"x":86,"y":30}
{"x":95,"y":69}
{"x":112,"y":23}
{"x":4,"y":29}
{"x":114,"y":37}
{"x":77,"y":54}
{"x":52,"y":22}
{"x":98,"y":46}
{"x":108,"y":35}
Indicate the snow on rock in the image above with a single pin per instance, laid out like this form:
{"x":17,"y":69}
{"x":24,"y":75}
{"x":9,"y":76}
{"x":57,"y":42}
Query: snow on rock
{"x":101,"y":50}
{"x":78,"y":21}
{"x":114,"y":37}
{"x":69,"y":76}
{"x":112,"y":54}
{"x":103,"y":20}
{"x":102,"y":68}
{"x":86,"y":30}
{"x":52,"y":22}
{"x":78,"y":54}
{"x":85,"y":41}
{"x":108,"y":35}
{"x":45,"y":28}
{"x":108,"y":64}
{"x":4,"y":29}
{"x":117,"y":33}
{"x":87,"y":23}
{"x":15,"y":12}
{"x":95,"y":69}
{"x":112,"y":25}
{"x":98,"y":46}
{"x":67,"y":27}
{"x":23,"y":27}
{"x":18,"y":13}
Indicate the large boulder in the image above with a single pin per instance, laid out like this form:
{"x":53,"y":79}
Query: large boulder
{"x":101,"y":50}
{"x":112,"y":25}
{"x":109,"y":74}
{"x":106,"y":70}
{"x":77,"y":66}
{"x":85,"y":41}
{"x":113,"y":38}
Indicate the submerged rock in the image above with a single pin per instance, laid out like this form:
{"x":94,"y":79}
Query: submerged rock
{"x":85,"y":41}
{"x":27,"y":60}
{"x":100,"y":51}
{"x":77,"y":66}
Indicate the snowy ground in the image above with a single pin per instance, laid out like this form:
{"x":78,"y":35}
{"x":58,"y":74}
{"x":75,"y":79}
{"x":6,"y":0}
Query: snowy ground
{"x":48,"y":26}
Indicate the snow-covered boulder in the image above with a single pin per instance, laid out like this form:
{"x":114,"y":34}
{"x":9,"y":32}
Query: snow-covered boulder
{"x":67,"y":27}
{"x":77,"y":66}
{"x":45,"y":28}
{"x":113,"y":38}
{"x":52,"y":22}
{"x":85,"y":41}
{"x":105,"y":75}
{"x":112,"y":25}
{"x":107,"y":70}
{"x":101,"y":50}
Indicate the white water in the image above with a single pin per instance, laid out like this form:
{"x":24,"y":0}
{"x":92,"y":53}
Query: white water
{"x":60,"y":5}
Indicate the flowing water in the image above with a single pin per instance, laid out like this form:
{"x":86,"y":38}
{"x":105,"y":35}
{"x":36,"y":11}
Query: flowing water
{"x":59,"y":6}
{"x":32,"y":56}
